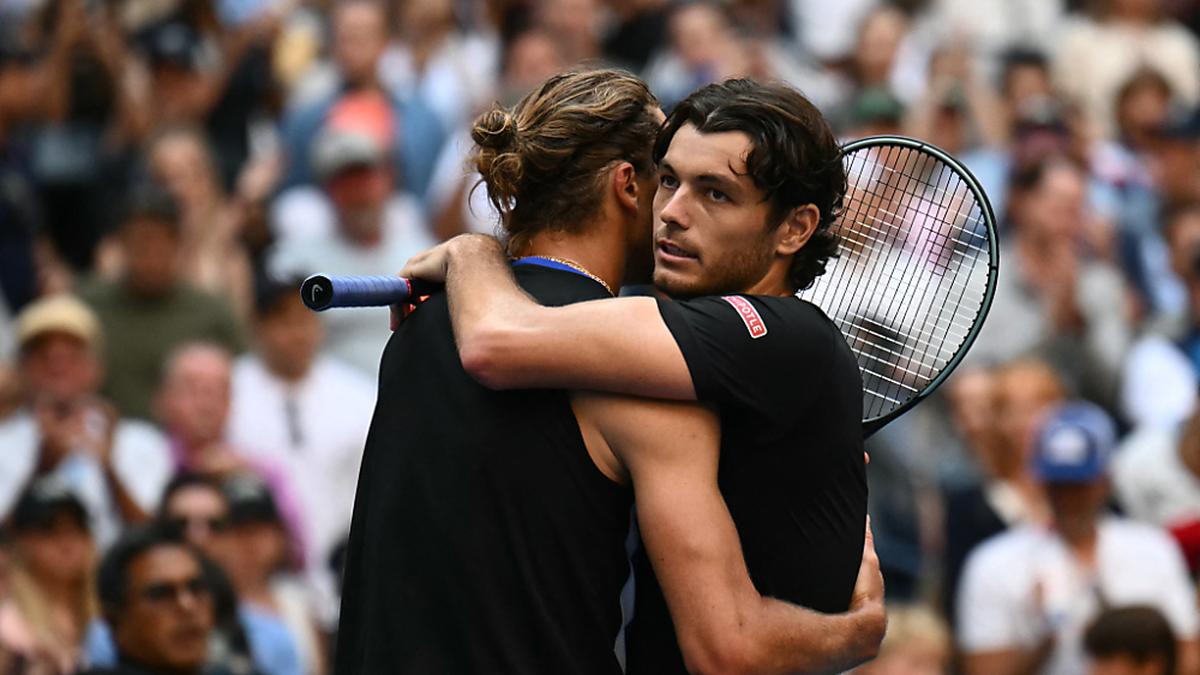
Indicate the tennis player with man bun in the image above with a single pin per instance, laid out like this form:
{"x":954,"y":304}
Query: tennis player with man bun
{"x":750,"y":179}
{"x":489,"y":528}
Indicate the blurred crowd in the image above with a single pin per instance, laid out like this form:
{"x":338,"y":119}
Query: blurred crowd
{"x":170,"y":170}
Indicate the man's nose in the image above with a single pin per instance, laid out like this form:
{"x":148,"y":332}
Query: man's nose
{"x":674,"y":211}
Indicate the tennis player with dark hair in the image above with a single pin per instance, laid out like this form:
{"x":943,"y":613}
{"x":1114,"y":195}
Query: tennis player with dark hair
{"x":489,"y":527}
{"x":750,"y":179}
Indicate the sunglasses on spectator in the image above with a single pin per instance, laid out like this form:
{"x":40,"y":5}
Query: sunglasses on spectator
{"x":164,"y":592}
{"x":213,"y":524}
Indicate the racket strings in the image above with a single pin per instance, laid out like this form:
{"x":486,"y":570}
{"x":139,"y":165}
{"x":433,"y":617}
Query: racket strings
{"x":912,"y":272}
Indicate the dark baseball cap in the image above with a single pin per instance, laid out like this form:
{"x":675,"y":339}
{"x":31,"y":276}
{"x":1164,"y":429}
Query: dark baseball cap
{"x":1073,"y":444}
{"x":43,"y":502}
{"x":250,"y":501}
{"x":875,"y":104}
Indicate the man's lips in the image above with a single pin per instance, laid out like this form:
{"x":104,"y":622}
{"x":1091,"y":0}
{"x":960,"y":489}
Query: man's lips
{"x":669,"y":249}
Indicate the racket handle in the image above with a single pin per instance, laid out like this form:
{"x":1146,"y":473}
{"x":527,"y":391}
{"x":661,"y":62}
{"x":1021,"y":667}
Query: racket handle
{"x":323,"y":291}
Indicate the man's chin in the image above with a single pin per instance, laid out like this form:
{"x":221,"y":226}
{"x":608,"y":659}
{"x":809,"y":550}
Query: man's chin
{"x":679,"y":289}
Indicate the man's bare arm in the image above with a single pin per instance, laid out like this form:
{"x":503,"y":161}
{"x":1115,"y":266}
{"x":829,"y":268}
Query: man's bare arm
{"x":508,"y":341}
{"x":723,"y":624}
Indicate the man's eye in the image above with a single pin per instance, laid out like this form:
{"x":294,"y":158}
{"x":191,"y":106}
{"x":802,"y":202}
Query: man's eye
{"x":669,"y":182}
{"x":718,"y":196}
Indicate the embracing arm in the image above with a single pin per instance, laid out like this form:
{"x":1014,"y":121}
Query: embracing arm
{"x":508,"y":341}
{"x":722,"y":623}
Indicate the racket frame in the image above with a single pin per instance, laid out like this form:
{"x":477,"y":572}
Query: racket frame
{"x":871,"y":426}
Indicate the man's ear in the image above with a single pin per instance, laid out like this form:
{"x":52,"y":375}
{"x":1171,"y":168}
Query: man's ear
{"x":797,"y":228}
{"x":625,"y":186}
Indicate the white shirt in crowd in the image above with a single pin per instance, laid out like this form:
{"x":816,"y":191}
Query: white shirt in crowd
{"x":1024,"y":582}
{"x":1158,"y":384}
{"x":355,"y":337}
{"x":141,"y":459}
{"x":314,"y":431}
{"x":1151,"y":480}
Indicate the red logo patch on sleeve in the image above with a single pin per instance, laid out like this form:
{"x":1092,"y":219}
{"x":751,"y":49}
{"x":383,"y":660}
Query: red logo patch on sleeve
{"x":750,"y":317}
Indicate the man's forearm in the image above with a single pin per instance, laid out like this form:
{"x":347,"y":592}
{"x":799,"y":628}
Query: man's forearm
{"x":795,"y":638}
{"x":506,"y":340}
{"x":478,"y":276}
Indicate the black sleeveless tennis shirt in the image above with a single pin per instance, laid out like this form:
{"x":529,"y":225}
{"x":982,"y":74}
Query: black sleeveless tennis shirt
{"x":789,"y":394}
{"x":484,"y":539}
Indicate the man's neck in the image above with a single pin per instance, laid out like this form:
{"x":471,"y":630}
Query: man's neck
{"x":775,"y":282}
{"x":599,"y":250}
{"x":1082,"y":543}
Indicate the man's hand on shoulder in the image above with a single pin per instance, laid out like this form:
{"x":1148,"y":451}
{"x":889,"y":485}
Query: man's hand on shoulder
{"x":433,"y":264}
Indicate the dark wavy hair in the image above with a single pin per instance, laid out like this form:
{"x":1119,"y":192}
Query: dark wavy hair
{"x":795,"y":160}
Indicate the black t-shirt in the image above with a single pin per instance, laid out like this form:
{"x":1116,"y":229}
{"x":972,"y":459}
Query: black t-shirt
{"x":789,"y":394}
{"x":484,"y":539}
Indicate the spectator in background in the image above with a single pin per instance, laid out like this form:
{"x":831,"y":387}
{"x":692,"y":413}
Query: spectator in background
{"x":193,"y":405}
{"x":272,"y":603}
{"x":995,"y":412}
{"x":359,"y":39}
{"x":961,"y":114}
{"x":1028,"y":594}
{"x":1134,"y":34}
{"x":150,"y":310}
{"x":827,"y":31}
{"x":1135,"y":640}
{"x":993,"y":27}
{"x":1157,"y":480}
{"x":530,"y":57}
{"x":1126,"y":168}
{"x":213,"y":258}
{"x":917,"y":643}
{"x":155,"y":595}
{"x":1159,"y":387}
{"x":1183,"y":244}
{"x":51,"y":603}
{"x":89,"y":120}
{"x":638,"y":28}
{"x":376,"y":231}
{"x":115,"y":466}
{"x":1025,"y":83}
{"x":574,"y":25}
{"x":308,"y":414}
{"x":1058,"y":302}
{"x":198,"y":72}
{"x":434,"y":62}
{"x":873,"y":60}
{"x":703,"y":49}
{"x":707,"y":45}
{"x":198,"y":508}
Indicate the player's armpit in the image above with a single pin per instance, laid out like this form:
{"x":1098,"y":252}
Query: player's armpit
{"x":723,"y":624}
{"x":508,"y":341}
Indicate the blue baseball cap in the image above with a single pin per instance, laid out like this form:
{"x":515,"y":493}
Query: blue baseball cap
{"x":1073,"y":444}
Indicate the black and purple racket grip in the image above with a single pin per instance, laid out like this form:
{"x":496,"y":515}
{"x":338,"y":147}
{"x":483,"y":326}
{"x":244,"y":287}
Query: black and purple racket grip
{"x":323,"y":291}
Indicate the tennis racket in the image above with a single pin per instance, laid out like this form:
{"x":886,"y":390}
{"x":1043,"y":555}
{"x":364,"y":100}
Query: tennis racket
{"x":915,"y":273}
